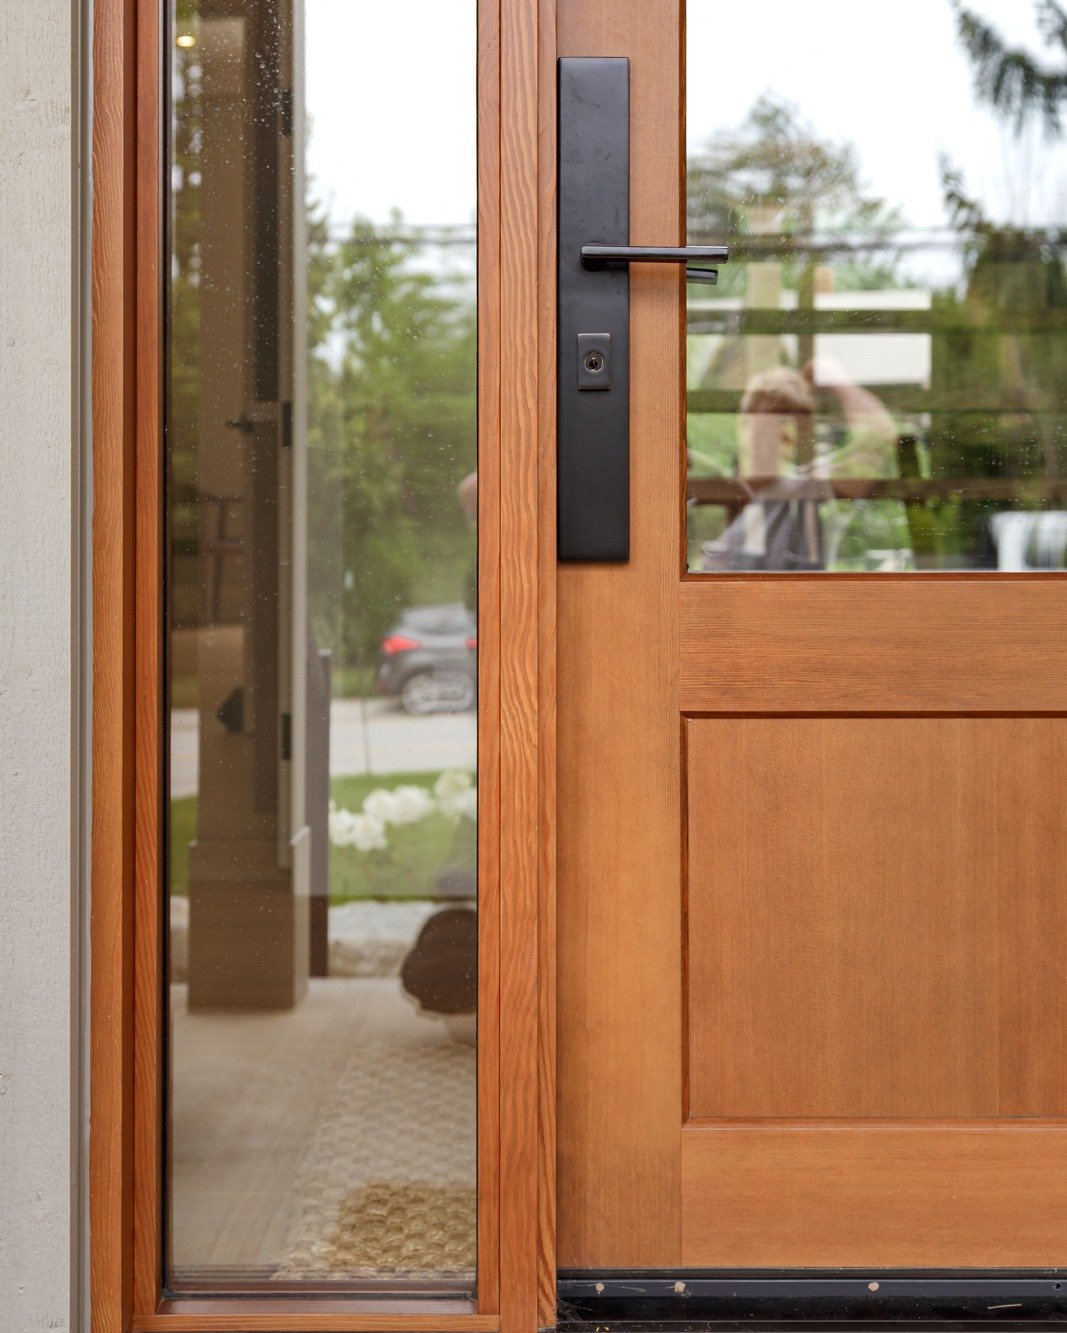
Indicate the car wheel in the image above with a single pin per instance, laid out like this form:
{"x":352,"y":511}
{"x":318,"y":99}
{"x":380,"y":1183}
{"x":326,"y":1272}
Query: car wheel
{"x":437,"y":692}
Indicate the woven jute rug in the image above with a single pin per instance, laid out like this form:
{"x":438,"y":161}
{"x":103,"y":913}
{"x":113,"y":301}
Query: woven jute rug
{"x":387,"y":1186}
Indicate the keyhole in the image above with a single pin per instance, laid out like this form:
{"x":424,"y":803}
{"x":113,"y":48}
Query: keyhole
{"x":594,"y":362}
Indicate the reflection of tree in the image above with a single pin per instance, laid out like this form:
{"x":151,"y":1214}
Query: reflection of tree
{"x":391,"y":417}
{"x":1000,"y":344}
{"x":1009,"y":78}
{"x":774,"y":178}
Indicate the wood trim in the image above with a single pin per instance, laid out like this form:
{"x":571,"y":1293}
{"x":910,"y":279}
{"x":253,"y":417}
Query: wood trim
{"x":114,"y":403}
{"x":148,"y":679}
{"x":517,"y":757}
{"x":314,"y":1323}
{"x":488,"y":657}
{"x":799,"y":1195}
{"x":802,"y":623}
{"x":313,"y":1314}
{"x":519,"y":775}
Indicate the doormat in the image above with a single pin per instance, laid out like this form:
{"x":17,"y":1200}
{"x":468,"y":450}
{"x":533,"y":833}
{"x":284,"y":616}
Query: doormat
{"x":387,"y":1186}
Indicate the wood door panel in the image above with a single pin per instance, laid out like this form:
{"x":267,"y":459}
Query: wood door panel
{"x":876,"y":916}
{"x":874,"y":644}
{"x":888,"y":1196}
{"x":810,"y":994}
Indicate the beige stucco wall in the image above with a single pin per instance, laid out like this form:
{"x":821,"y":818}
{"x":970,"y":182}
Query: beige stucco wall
{"x":39,"y":912}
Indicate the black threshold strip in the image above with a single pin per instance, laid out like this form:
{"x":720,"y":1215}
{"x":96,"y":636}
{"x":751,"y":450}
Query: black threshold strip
{"x":811,"y":1299}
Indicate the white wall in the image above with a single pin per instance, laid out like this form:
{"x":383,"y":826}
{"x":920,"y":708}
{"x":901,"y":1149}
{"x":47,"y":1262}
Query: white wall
{"x":38,"y":653}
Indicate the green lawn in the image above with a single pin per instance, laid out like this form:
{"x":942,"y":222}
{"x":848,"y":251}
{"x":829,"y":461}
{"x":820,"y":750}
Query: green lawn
{"x":417,"y":853}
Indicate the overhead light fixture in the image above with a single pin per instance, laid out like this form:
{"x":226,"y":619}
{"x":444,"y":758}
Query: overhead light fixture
{"x":185,"y":40}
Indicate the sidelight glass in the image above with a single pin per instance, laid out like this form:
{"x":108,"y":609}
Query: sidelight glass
{"x":879,"y":381}
{"x":321,"y":575}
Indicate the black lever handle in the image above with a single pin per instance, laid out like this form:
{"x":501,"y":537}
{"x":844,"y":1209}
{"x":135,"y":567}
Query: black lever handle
{"x":610,"y":256}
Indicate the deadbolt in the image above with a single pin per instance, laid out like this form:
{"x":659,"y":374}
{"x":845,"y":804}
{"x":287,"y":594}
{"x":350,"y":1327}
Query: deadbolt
{"x":594,"y":361}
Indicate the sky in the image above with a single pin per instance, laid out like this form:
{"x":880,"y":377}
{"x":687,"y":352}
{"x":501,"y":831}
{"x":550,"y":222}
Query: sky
{"x":390,"y":93}
{"x":892,"y":79}
{"x":391,"y":99}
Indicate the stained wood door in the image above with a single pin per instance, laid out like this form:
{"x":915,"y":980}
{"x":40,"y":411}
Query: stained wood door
{"x":812,"y":837}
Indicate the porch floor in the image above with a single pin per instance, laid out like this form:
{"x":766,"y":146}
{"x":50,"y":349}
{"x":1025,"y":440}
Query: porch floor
{"x":288,"y":1125}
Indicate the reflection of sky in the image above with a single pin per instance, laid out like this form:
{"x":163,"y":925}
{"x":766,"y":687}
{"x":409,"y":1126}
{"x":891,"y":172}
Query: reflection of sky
{"x":892,"y":79}
{"x":390,"y":92}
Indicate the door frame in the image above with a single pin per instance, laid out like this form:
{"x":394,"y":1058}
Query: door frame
{"x":516,"y":857}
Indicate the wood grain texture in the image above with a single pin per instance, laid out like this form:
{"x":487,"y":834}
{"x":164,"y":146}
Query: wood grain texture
{"x":546,"y":657}
{"x":312,"y":1317}
{"x":113,"y":535}
{"x":517,"y":719}
{"x":875,"y":1196}
{"x":875,"y":917}
{"x":905,"y":644}
{"x":619,"y":893}
{"x":148,"y":679}
{"x":489,"y":920}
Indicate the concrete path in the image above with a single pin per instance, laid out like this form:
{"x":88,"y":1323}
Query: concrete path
{"x":366,"y":736}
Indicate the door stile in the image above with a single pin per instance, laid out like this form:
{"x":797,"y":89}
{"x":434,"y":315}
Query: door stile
{"x":620,"y":885}
{"x":524,"y":286}
{"x":547,"y":674}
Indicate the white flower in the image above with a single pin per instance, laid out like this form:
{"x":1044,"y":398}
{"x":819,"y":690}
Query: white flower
{"x":361,"y":831}
{"x":410,"y":804}
{"x":380,"y":804}
{"x":467,"y":803}
{"x":451,"y":783}
{"x":368,"y":833}
{"x":454,"y":791}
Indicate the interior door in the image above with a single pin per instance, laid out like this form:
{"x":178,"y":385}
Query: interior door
{"x":812,"y":736}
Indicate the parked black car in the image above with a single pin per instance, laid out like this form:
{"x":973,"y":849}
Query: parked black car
{"x":428,"y":659}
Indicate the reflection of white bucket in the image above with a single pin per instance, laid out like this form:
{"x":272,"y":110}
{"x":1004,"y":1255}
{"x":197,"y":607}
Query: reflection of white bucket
{"x":1030,"y":541}
{"x":892,"y":560}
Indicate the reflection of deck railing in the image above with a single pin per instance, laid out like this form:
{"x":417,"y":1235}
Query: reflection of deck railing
{"x":735,"y":493}
{"x":706,"y":319}
{"x":913,"y":399}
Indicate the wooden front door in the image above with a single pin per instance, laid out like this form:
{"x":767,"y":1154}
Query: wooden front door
{"x":812,"y":741}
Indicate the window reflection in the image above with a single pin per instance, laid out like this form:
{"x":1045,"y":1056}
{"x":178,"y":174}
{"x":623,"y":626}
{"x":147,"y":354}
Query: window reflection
{"x":876,"y":383}
{"x":321,"y":579}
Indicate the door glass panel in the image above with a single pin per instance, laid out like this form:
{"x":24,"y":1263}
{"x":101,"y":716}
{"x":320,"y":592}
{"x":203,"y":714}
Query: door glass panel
{"x":879,"y":381}
{"x":320,"y":582}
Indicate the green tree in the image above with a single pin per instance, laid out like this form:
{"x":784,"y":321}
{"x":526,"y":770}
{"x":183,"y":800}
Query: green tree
{"x":391,"y":420}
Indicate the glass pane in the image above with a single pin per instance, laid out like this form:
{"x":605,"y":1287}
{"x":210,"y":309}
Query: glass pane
{"x":879,"y":380}
{"x":321,"y":580}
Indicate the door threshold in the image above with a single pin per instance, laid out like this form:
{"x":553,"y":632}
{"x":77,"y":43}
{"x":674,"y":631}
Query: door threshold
{"x":866,"y":1299}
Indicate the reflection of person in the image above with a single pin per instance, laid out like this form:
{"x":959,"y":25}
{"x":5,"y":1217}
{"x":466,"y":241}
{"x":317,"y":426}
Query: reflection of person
{"x":782,"y":526}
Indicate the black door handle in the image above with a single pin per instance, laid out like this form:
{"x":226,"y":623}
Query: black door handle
{"x":615,"y":256}
{"x":593,"y":286}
